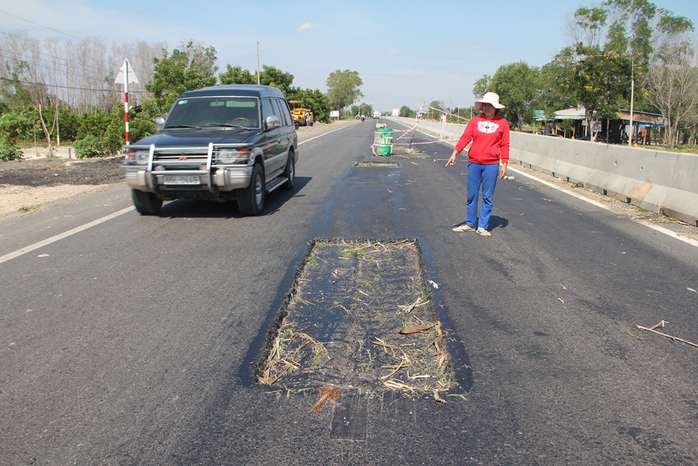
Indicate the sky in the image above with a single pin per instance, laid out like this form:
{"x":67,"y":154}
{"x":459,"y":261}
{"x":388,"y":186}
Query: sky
{"x":406,"y":52}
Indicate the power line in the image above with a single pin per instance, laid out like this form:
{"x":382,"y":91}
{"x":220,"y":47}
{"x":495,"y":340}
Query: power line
{"x":91,"y":42}
{"x":41,"y":25}
{"x":69,"y":87}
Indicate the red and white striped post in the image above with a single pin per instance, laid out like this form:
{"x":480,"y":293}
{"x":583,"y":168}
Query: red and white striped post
{"x":126,"y":101}
{"x":126,"y":76}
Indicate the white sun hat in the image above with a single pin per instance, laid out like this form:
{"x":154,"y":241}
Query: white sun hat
{"x":489,"y":98}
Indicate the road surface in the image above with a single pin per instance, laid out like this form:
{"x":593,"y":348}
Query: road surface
{"x":132,"y":340}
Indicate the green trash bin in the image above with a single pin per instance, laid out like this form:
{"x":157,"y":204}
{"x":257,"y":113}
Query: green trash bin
{"x":383,"y":141}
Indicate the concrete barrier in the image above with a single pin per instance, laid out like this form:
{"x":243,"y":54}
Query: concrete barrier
{"x":660,"y":181}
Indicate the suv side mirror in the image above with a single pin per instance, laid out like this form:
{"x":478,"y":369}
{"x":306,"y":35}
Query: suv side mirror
{"x":272,"y":122}
{"x":159,"y":122}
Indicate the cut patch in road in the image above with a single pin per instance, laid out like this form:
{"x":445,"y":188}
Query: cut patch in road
{"x":377,"y":164}
{"x":360,"y":317}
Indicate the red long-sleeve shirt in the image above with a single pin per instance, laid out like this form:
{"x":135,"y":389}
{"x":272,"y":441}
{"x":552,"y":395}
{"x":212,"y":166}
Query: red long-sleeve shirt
{"x":490,"y":140}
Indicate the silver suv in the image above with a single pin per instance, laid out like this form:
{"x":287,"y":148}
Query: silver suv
{"x":222,"y":143}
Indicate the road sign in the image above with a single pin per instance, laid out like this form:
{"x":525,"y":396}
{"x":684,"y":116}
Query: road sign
{"x":126,"y":72}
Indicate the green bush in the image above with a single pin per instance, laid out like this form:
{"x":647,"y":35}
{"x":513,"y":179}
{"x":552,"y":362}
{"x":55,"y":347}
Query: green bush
{"x":93,"y":124}
{"x":9,"y":152}
{"x":90,"y":146}
{"x":69,"y":122}
{"x":142,"y":127}
{"x":13,"y":126}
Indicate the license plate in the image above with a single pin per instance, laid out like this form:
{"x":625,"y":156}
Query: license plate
{"x":183,"y":179}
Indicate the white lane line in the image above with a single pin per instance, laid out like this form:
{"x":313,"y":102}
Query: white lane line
{"x":323,"y":134}
{"x":58,"y":237}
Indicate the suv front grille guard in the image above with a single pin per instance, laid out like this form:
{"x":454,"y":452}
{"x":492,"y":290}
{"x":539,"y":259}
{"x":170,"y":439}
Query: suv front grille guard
{"x":184,"y":161}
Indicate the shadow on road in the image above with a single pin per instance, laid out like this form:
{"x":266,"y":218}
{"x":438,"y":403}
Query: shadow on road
{"x":498,"y":222}
{"x":196,"y":208}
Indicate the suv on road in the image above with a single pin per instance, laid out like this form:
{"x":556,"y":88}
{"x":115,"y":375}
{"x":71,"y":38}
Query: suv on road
{"x":222,"y":143}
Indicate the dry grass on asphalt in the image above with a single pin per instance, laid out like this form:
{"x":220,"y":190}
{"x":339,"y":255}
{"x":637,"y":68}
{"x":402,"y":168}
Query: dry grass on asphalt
{"x":360,"y":317}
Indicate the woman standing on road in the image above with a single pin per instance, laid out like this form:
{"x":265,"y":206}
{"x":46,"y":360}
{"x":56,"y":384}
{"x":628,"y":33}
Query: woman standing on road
{"x":487,"y":158}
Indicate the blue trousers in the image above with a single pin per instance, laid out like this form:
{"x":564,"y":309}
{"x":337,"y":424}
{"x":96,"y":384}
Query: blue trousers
{"x":484,"y":176}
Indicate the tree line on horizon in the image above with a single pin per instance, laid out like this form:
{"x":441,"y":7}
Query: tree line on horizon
{"x":59,"y":93}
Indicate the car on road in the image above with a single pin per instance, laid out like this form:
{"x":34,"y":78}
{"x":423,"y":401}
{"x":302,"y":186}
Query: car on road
{"x":223,"y":143}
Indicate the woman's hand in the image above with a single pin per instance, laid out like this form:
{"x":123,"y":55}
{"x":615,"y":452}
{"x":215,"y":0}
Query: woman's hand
{"x":502,"y":170}
{"x":452,"y":160}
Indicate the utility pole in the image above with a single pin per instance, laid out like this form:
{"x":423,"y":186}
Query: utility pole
{"x":632,"y":100}
{"x":258,"y":72}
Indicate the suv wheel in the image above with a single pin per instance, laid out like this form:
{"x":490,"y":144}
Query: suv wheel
{"x":251,"y":199}
{"x":290,"y":173}
{"x":146,"y":203}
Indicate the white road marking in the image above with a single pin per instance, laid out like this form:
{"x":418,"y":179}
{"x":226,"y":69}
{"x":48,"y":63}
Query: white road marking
{"x":63,"y":235}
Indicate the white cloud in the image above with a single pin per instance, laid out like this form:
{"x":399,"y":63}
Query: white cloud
{"x":308,"y":26}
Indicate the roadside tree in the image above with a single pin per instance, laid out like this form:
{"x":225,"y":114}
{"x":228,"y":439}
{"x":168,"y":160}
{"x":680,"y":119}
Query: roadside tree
{"x":407,"y":112}
{"x":192,"y":67}
{"x":236,"y":75}
{"x":672,"y":85}
{"x":343,"y":88}
{"x":518,"y":86}
{"x":271,"y":76}
{"x":557,"y":77}
{"x":482,"y":86}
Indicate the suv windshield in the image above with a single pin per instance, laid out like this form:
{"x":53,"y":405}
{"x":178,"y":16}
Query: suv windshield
{"x":214,"y":111}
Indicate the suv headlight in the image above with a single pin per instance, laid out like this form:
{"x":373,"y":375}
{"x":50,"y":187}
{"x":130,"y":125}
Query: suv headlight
{"x":139,"y":156}
{"x":230,"y":156}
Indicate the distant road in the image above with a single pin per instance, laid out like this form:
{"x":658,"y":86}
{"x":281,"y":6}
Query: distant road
{"x":133,"y":341}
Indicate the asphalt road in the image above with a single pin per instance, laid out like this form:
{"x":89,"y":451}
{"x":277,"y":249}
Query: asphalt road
{"x":133,"y":341}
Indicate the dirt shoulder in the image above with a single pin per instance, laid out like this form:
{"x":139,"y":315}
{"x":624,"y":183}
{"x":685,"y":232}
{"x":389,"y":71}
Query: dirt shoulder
{"x":34,"y":184}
